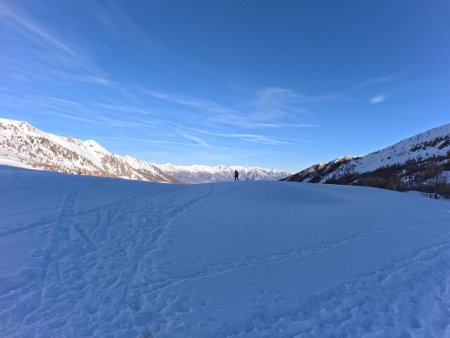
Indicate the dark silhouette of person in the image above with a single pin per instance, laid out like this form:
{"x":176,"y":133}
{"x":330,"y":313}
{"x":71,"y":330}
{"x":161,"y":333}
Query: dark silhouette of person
{"x":236,"y":175}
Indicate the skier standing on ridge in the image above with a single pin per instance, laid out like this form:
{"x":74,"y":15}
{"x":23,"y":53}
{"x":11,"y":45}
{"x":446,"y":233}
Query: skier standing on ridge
{"x":236,"y":175}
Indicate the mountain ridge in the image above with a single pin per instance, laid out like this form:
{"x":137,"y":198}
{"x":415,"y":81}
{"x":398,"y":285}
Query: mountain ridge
{"x":417,"y":162}
{"x":23,"y":145}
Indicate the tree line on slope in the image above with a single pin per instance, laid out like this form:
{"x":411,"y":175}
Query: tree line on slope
{"x":418,"y":174}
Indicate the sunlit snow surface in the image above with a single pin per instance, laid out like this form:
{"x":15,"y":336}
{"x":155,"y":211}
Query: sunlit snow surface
{"x":85,"y":256}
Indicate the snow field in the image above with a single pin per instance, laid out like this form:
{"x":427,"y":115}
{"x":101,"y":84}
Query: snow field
{"x":86,"y":256}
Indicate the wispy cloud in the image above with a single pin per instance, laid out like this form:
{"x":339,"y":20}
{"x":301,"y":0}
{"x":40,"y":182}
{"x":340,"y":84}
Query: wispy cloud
{"x":246,"y":137}
{"x":374,"y":81}
{"x":260,"y":139}
{"x":194,"y":138}
{"x":74,"y":117}
{"x":189,"y":101}
{"x":117,"y":21}
{"x":157,"y":142}
{"x":268,"y":108}
{"x":377,"y":99}
{"x":105,"y":114}
{"x":354,"y":92}
{"x":276,"y":95}
{"x":25,"y":26}
{"x":56,"y":57}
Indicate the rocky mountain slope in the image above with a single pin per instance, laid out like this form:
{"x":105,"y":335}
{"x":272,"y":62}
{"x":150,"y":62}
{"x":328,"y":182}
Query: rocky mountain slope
{"x":419,"y":162}
{"x":23,"y":145}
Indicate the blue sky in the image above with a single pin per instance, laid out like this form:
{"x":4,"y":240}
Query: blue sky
{"x":280,"y":84}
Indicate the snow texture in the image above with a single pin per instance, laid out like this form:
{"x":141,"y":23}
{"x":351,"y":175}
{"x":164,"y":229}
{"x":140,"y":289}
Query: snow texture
{"x":88,"y":256}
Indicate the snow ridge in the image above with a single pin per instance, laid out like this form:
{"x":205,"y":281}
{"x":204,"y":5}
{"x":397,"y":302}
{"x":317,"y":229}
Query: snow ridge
{"x":428,"y":146}
{"x":434,"y":142}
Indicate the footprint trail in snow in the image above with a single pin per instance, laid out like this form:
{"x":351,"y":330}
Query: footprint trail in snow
{"x":85,"y":256}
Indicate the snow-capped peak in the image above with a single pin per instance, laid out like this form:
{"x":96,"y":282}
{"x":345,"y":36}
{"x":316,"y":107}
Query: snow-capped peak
{"x":23,"y":145}
{"x":197,"y":173}
{"x":398,"y":166}
{"x":433,"y":142}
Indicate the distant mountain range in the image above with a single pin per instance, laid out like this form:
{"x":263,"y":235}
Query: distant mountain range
{"x":421,"y":162}
{"x":23,"y":145}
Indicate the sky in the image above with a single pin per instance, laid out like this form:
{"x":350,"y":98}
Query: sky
{"x":276,"y":84}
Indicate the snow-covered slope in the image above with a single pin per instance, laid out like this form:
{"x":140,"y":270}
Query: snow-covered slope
{"x":434,"y":142}
{"x":220,"y":173}
{"x":23,"y":145}
{"x":322,"y":171}
{"x":89,"y":256}
{"x":409,"y":158}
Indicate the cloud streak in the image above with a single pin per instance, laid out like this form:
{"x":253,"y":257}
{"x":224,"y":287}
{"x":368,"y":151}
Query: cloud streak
{"x":374,"y":81}
{"x":61,"y":58}
{"x":260,"y":139}
{"x":198,"y":140}
{"x":269,"y":108}
{"x":26,"y":25}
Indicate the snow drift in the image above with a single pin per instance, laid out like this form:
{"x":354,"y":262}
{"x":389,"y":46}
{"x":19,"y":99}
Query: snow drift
{"x":89,"y":256}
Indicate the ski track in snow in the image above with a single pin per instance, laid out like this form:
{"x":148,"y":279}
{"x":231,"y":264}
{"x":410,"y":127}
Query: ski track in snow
{"x":104,"y":272}
{"x":405,"y":289}
{"x":251,"y":262}
{"x":72,"y":256}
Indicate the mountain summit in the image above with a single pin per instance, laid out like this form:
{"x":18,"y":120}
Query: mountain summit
{"x":23,"y":145}
{"x":414,"y":163}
